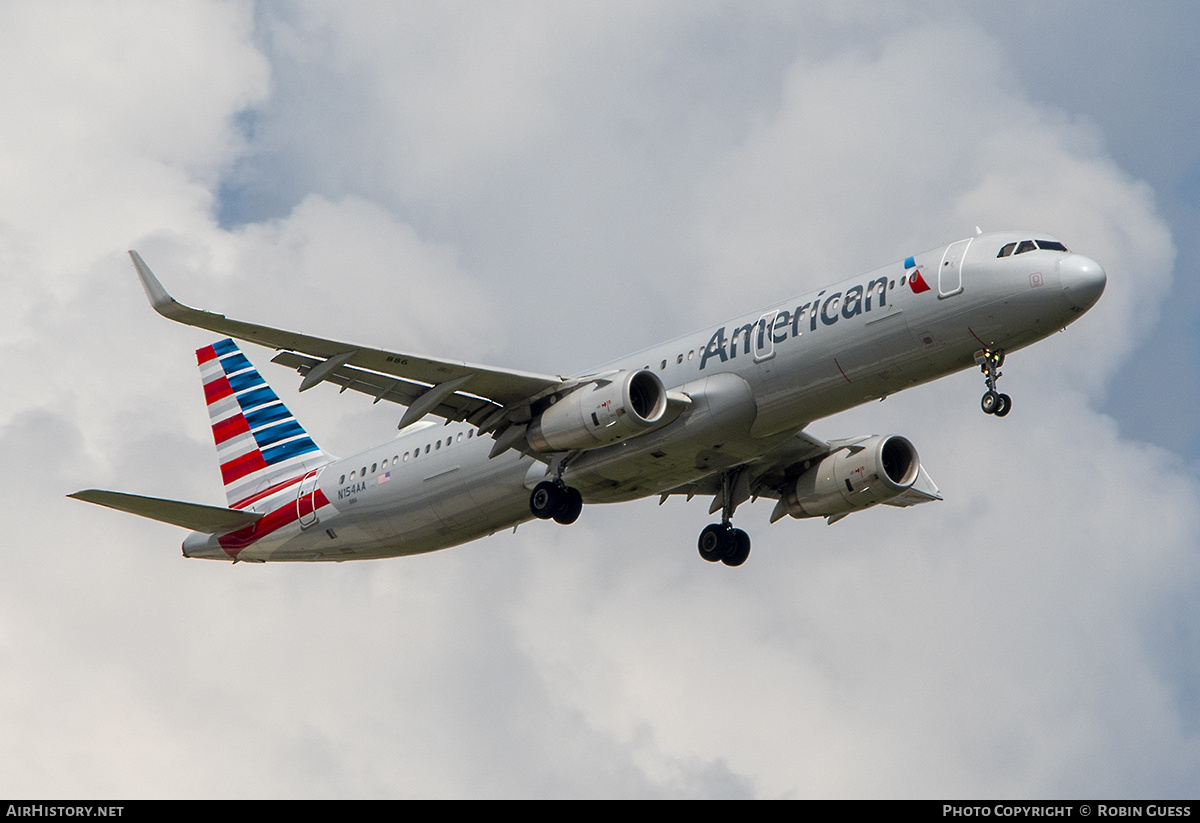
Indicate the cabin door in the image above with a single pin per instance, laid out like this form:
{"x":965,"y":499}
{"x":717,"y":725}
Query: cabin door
{"x":950,"y":272}
{"x":306,"y":500}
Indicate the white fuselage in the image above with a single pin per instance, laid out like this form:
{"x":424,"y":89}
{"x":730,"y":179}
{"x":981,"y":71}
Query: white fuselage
{"x":754,"y":382}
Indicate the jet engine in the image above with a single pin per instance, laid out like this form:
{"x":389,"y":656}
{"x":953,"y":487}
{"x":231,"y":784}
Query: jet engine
{"x":854,"y":477}
{"x":601,"y":412}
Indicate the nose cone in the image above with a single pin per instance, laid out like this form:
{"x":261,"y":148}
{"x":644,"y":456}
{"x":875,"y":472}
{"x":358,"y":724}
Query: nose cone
{"x":1082,"y":280}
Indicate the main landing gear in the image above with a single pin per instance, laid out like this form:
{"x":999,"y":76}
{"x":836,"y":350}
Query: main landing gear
{"x":721,"y":541}
{"x":555,"y":500}
{"x":993,"y":402}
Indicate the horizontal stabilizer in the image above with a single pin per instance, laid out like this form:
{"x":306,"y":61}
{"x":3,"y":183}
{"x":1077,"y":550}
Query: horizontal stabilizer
{"x":194,"y":516}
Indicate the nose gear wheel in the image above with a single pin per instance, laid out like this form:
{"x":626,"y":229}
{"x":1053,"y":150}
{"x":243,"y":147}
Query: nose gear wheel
{"x":993,"y":402}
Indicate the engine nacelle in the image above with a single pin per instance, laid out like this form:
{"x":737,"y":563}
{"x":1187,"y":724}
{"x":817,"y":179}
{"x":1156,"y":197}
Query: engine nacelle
{"x":856,"y":477}
{"x":599,"y":413}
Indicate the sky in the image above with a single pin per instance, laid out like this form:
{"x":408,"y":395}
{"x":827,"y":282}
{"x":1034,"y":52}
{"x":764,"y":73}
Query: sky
{"x":547,"y":186}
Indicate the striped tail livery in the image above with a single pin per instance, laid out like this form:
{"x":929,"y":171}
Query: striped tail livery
{"x":269,"y":467}
{"x":260,"y":445}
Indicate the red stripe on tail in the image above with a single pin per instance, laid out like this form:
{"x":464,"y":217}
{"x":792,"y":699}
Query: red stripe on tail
{"x":216,"y":390}
{"x":229,"y":428}
{"x":239,"y":467}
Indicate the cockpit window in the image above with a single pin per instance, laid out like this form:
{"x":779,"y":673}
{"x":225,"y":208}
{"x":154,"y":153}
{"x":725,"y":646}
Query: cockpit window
{"x":1051,"y":245}
{"x":1030,"y":245}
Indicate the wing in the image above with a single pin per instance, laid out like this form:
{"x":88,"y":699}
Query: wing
{"x":765,"y":476}
{"x":487,"y":397}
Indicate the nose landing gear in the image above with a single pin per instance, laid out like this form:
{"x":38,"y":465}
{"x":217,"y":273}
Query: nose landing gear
{"x":993,"y":402}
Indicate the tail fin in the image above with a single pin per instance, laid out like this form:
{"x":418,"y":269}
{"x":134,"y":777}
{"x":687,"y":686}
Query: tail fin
{"x":260,"y":444}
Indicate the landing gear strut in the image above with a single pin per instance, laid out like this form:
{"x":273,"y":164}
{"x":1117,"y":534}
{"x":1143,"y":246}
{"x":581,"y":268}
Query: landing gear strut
{"x":553,"y":499}
{"x":721,"y":541}
{"x":993,"y":402}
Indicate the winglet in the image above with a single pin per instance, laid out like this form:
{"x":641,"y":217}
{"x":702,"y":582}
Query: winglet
{"x":160,"y":301}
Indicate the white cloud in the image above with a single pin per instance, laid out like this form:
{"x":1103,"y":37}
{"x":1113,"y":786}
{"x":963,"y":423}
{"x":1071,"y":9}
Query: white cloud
{"x":116,"y":115}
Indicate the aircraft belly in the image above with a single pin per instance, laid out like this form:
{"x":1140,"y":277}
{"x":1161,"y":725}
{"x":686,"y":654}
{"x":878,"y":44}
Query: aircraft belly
{"x":432,"y":501}
{"x":445,"y":499}
{"x":1020,"y":320}
{"x":448,"y":498}
{"x":949,"y":337}
{"x":498,"y":490}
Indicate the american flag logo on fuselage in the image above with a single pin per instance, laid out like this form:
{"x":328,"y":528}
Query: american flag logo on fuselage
{"x":915,"y":281}
{"x":260,"y":445}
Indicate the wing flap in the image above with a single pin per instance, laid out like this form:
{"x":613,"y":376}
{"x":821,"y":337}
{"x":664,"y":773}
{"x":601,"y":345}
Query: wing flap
{"x":456,"y":406}
{"x":194,"y":516}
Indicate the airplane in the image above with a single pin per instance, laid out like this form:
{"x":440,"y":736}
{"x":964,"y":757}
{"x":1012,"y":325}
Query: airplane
{"x":719,"y":414}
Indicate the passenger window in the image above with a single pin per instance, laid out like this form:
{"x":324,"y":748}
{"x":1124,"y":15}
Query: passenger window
{"x":1007,"y":250}
{"x":679,"y":359}
{"x":341,"y":479}
{"x":460,"y":437}
{"x":664,"y":365}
